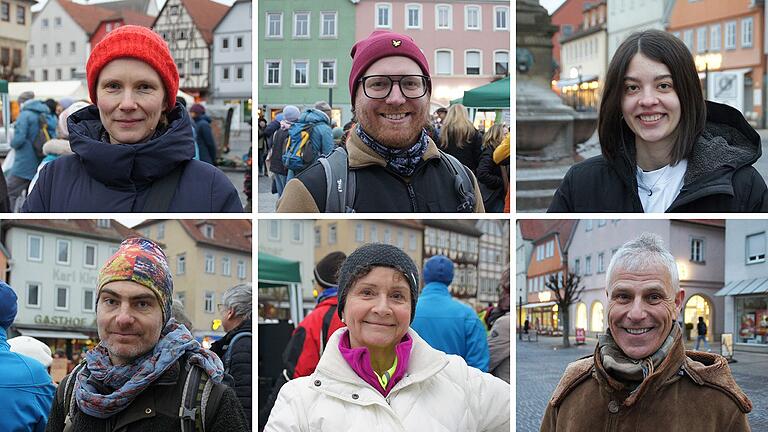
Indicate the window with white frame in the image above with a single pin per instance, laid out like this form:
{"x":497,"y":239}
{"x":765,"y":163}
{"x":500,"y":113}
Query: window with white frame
{"x":472,"y":18}
{"x":225,"y":44}
{"x":374,"y":234}
{"x":34,"y":248}
{"x":400,"y":239}
{"x":412,"y":242}
{"x":577,"y":266}
{"x":756,"y":248}
{"x":697,"y":249}
{"x":601,"y":262}
{"x":226,"y":266}
{"x":210,"y":264}
{"x":332,"y":233}
{"x":33,"y":294}
{"x":328,"y":24}
{"x":688,"y":39}
{"x":207,"y":231}
{"x":501,"y":62}
{"x":197,"y":67}
{"x":588,"y":265}
{"x":58,"y":48}
{"x":103,"y":223}
{"x":472,"y":60}
{"x":444,"y":62}
{"x":387,"y":236}
{"x":241,"y":271}
{"x":318,"y":236}
{"x":300,"y":72}
{"x":327,"y":72}
{"x":62,"y":298}
{"x":730,"y":35}
{"x":239,"y":42}
{"x":160,"y":231}
{"x":413,"y":16}
{"x":747,"y":27}
{"x":274,"y":229}
{"x":701,"y":39}
{"x":225,"y":73}
{"x":89,"y":255}
{"x":383,"y":15}
{"x":31,"y":50}
{"x":72,"y":47}
{"x":89,"y":300}
{"x":550,"y":252}
{"x":501,"y":18}
{"x":239,"y":73}
{"x":208,"y":300}
{"x":62,"y":251}
{"x":359,"y":233}
{"x":540,"y":253}
{"x":181,"y":264}
{"x":297,"y":232}
{"x":274,"y":25}
{"x":272,"y":72}
{"x":443,"y":17}
{"x":301,"y":25}
{"x":588,"y":225}
{"x":714,"y":37}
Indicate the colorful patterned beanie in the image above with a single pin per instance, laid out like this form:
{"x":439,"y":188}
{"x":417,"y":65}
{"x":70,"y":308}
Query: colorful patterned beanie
{"x":142,"y":261}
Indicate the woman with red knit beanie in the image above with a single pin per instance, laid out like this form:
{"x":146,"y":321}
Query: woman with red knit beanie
{"x":134,"y":148}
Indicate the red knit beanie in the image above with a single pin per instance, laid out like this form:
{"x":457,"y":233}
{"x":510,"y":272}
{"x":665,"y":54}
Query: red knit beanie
{"x":140,"y":43}
{"x":382,"y":44}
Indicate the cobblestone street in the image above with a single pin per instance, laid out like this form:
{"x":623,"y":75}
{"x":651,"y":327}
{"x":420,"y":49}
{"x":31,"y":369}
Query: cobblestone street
{"x":539,"y":366}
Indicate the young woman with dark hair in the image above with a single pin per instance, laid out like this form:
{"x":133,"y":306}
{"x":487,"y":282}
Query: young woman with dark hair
{"x":664,"y":149}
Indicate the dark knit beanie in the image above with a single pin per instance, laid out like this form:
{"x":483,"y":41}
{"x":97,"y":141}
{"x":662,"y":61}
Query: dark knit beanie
{"x":327,"y":270}
{"x":377,"y":255}
{"x":140,"y":43}
{"x":382,"y":44}
{"x":8,"y":305}
{"x":439,"y":268}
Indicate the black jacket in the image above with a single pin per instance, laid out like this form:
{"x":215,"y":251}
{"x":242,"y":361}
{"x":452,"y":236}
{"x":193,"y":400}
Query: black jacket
{"x":279,"y":139}
{"x":156,"y":409}
{"x":102,"y":177}
{"x":205,"y":142}
{"x":469,"y":154}
{"x":240,"y":367}
{"x":719,"y":177}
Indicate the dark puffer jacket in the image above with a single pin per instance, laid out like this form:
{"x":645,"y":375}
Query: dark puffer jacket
{"x":719,"y":178}
{"x":103,"y":177}
{"x":205,"y":141}
{"x":469,"y":153}
{"x":241,"y":361}
{"x":156,"y":409}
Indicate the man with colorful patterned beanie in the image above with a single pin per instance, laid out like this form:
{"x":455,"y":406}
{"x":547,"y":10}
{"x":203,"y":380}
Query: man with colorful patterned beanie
{"x":147,"y":372}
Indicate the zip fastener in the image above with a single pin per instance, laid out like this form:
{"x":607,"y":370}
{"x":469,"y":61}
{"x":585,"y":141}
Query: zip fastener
{"x":412,"y":196}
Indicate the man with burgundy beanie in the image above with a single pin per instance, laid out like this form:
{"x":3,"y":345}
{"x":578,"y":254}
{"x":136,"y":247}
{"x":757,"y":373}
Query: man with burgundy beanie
{"x":392,"y":163}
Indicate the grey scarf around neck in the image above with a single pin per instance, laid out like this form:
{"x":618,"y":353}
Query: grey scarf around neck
{"x":627,"y":370}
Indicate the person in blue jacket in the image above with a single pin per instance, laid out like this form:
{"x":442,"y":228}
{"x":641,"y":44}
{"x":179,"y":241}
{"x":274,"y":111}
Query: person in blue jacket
{"x":25,"y":130}
{"x":26,"y":388}
{"x":445,"y":323}
{"x":321,"y":136}
{"x":205,"y":142}
{"x":133,"y":149}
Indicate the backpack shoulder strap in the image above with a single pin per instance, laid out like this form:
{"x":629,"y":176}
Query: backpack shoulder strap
{"x":228,"y":352}
{"x":462,"y":183}
{"x":188,"y":413}
{"x":339,"y":182}
{"x":69,"y":396}
{"x":162,"y":190}
{"x":327,"y":318}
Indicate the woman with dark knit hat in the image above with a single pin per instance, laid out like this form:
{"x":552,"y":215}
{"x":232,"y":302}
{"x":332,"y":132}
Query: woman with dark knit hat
{"x":133,"y":148}
{"x":378,"y":373}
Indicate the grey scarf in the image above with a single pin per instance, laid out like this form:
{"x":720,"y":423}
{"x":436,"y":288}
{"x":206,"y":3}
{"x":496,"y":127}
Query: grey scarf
{"x":627,"y":370}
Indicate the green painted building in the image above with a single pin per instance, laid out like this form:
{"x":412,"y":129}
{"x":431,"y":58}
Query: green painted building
{"x":303,"y":55}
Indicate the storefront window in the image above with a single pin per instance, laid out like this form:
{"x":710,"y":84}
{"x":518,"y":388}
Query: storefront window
{"x":752,"y":316}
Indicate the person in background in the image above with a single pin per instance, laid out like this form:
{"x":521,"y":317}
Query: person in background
{"x":489,"y":173}
{"x":289,"y":115}
{"x":25,"y":160}
{"x":26,"y":388}
{"x":499,"y":338}
{"x":32,"y":348}
{"x":701,"y":330}
{"x":459,"y":137}
{"x":501,"y":158}
{"x":445,"y":323}
{"x":205,"y":142}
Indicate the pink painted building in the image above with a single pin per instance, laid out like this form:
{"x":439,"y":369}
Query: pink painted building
{"x":467,"y":44}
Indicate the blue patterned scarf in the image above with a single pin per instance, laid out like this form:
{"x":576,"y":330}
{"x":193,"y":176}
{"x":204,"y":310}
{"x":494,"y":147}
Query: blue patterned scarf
{"x":126,"y":382}
{"x":400,"y":160}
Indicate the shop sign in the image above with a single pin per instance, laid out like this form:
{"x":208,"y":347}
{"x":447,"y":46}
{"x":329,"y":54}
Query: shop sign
{"x":87,"y":278}
{"x":60,"y":320}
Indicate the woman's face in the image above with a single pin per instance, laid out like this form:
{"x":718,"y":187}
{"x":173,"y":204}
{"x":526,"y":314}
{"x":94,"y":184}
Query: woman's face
{"x":378,"y":309}
{"x":131,"y":98}
{"x":649,"y":103}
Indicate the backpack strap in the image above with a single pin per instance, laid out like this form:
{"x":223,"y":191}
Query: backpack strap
{"x":188,"y":413}
{"x":162,"y":190}
{"x":227,"y":360}
{"x":69,"y":397}
{"x":462,"y":183}
{"x":327,"y":318}
{"x":339,"y":182}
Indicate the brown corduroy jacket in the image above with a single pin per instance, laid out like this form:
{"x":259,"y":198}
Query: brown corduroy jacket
{"x":690,"y":391}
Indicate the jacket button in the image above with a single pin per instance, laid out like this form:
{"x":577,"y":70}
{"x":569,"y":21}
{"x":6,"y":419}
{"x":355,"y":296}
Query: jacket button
{"x":355,"y":396}
{"x":148,"y":411}
{"x":613,"y":407}
{"x":317,"y":383}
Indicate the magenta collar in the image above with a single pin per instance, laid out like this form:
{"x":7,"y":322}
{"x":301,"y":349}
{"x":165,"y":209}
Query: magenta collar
{"x":359,"y":359}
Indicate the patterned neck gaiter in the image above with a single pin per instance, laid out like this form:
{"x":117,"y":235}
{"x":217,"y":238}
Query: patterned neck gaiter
{"x":400,"y":160}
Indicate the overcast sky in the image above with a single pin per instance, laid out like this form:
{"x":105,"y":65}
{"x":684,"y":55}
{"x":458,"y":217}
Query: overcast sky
{"x":551,"y":5}
{"x":160,"y":3}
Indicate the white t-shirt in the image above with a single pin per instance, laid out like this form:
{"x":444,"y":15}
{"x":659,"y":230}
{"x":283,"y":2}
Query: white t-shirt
{"x":658,"y":189}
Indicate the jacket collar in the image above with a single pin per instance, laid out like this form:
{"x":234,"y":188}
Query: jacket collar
{"x":438,"y":288}
{"x":360,"y":155}
{"x":130,"y":166}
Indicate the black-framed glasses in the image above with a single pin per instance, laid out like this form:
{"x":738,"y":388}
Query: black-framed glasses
{"x":380,"y":86}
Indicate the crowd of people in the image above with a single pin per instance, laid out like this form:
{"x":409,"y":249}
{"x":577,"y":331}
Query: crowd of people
{"x":394,"y":152}
{"x":136,"y":148}
{"x":147,"y":372}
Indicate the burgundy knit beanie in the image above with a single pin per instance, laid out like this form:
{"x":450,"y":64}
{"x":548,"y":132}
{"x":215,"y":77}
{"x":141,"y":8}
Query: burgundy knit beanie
{"x":140,"y":43}
{"x":382,"y":44}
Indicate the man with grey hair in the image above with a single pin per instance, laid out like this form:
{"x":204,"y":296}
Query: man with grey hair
{"x":640,"y":376}
{"x":234,"y":348}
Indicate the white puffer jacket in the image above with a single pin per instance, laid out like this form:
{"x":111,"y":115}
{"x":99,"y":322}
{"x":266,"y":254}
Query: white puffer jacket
{"x":439,"y":393}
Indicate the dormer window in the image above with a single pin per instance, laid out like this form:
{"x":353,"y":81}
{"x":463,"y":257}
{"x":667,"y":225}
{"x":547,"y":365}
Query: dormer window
{"x":207,"y":230}
{"x":103,"y":223}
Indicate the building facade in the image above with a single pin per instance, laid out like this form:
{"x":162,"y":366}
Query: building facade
{"x":629,"y":16}
{"x":15,"y":25}
{"x":568,"y":18}
{"x":465,"y":42}
{"x":458,"y":240}
{"x":232,"y":73}
{"x":117,"y":19}
{"x":187,"y":26}
{"x":206,"y":257}
{"x":494,"y":258}
{"x":745,"y":291}
{"x":303,"y":55}
{"x":584,"y":60}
